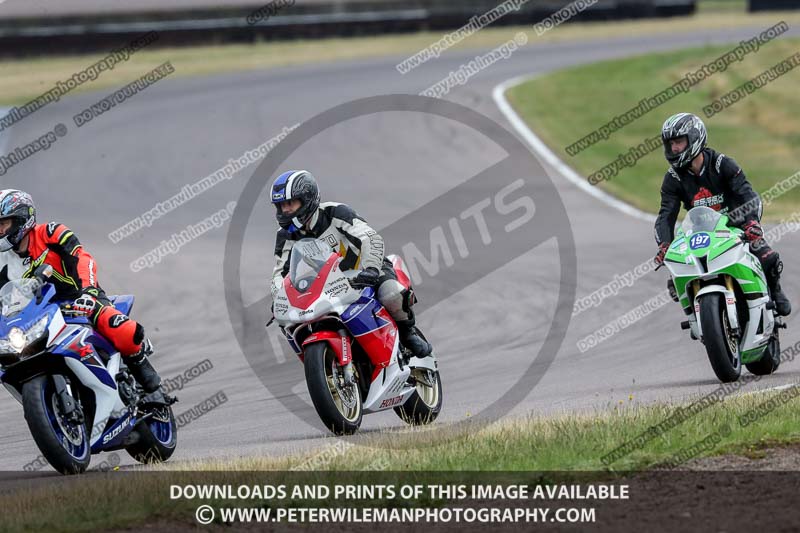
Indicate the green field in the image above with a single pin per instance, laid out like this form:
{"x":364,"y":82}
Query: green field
{"x":762,"y":131}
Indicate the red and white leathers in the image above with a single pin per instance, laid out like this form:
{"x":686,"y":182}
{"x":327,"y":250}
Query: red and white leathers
{"x":74,"y":274}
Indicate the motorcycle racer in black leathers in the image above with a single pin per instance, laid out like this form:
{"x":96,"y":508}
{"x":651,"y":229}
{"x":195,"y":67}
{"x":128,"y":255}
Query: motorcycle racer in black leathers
{"x":700,"y":176}
{"x":300,"y":215}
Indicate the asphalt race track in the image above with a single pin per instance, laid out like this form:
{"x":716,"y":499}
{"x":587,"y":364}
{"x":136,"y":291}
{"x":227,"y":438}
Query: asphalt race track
{"x":386,"y":165}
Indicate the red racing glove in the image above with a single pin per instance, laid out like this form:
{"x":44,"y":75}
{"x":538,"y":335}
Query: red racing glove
{"x":753,"y":231}
{"x":662,"y":251}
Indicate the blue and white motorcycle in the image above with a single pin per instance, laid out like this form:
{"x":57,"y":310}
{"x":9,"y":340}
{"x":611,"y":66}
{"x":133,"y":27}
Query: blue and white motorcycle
{"x":77,"y":396}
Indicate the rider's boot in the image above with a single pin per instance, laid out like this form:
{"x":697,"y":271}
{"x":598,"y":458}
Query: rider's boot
{"x":673,"y":293}
{"x":141,"y":369}
{"x":782,"y":304}
{"x":412,"y":340}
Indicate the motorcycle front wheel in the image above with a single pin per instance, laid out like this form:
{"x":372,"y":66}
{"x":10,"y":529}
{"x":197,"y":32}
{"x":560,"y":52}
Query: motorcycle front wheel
{"x":338,"y":404}
{"x":64,"y":443}
{"x":722,"y":346}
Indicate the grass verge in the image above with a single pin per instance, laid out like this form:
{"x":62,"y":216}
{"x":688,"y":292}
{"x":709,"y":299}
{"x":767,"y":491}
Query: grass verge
{"x":761,"y":131}
{"x":569,"y":443}
{"x":25,"y":79}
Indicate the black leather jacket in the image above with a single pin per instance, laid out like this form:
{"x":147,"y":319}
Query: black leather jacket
{"x":721,"y":185}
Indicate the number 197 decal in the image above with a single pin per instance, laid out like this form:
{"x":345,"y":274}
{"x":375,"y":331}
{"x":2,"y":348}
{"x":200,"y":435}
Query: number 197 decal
{"x":699,"y":240}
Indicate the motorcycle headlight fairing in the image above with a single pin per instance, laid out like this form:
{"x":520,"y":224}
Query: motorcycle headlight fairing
{"x":17,"y":339}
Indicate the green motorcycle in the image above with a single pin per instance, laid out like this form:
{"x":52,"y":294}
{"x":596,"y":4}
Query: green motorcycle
{"x":723,"y":291}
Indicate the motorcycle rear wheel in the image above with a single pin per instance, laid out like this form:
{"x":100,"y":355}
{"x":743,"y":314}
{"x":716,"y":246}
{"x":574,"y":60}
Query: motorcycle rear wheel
{"x":770,"y":359}
{"x":425,"y":403}
{"x":158,"y":437}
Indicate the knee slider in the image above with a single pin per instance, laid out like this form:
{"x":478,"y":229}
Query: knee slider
{"x":409,"y":299}
{"x":777,"y":268}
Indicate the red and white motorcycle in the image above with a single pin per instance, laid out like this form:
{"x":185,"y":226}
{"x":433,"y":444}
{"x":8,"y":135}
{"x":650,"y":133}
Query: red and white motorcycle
{"x":348,"y":343}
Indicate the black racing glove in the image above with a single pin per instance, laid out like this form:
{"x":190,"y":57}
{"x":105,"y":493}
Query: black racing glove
{"x":366,"y":278}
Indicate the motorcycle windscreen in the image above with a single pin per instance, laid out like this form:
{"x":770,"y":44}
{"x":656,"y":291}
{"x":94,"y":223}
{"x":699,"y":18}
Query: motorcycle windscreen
{"x":16,"y":295}
{"x":307,"y":259}
{"x":700,"y":218}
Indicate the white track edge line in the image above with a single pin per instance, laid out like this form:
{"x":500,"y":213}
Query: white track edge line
{"x":538,"y":146}
{"x":769,"y":389}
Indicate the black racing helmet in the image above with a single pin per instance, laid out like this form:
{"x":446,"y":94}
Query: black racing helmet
{"x":295,"y":184}
{"x":18,"y":206}
{"x":680,"y":125}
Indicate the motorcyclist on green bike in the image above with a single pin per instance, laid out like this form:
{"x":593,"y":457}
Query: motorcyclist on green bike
{"x":699,"y":176}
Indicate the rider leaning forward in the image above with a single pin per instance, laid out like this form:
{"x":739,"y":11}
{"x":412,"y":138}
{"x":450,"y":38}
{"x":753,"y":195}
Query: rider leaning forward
{"x":26,"y":245}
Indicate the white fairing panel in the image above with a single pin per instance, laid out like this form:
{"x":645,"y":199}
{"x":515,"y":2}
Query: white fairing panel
{"x":55,"y":327}
{"x":107,"y":398}
{"x":730,"y":257}
{"x":389,"y":389}
{"x":758,"y":312}
{"x":729,"y":300}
